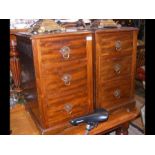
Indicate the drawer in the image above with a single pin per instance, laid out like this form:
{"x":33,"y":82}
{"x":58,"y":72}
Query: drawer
{"x":64,"y":80}
{"x":49,"y":67}
{"x":63,"y":48}
{"x":114,"y":43}
{"x":113,"y":68}
{"x":64,"y":109}
{"x":114,"y":93}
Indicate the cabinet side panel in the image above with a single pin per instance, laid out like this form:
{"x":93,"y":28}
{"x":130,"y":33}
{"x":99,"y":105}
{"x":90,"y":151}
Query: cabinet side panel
{"x":133,"y":72}
{"x":28,"y":79}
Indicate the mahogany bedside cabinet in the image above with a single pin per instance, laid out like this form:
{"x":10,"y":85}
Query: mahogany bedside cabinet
{"x":56,"y":77}
{"x":114,"y":68}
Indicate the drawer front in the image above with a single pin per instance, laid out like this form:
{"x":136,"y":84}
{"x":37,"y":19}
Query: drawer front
{"x":66,"y":80}
{"x":61,"y":49}
{"x":114,"y":67}
{"x":61,"y":110}
{"x":115,"y":93}
{"x":114,"y":43}
{"x":53,"y":68}
{"x":61,"y":53}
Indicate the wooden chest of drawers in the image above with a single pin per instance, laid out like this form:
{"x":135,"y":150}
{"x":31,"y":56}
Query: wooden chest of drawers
{"x":57,"y":77}
{"x":67,"y":75}
{"x":115,"y":58}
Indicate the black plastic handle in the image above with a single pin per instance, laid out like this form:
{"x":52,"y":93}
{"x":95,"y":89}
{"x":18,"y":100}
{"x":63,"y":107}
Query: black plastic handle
{"x":98,"y":116}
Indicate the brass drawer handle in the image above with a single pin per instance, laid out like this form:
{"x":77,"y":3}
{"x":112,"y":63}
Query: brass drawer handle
{"x":117,"y":93}
{"x":118,"y":45}
{"x":67,"y":79}
{"x":68,"y":108}
{"x":65,"y":51}
{"x":117,"y":68}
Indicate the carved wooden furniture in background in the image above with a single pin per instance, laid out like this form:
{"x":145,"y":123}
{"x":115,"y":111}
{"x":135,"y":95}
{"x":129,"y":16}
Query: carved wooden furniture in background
{"x":14,"y":59}
{"x":58,"y":81}
{"x":15,"y":66}
{"x":14,"y":31}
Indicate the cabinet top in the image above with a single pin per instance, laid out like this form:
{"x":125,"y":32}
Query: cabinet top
{"x":53,"y":34}
{"x":73,"y":32}
{"x":117,"y":29}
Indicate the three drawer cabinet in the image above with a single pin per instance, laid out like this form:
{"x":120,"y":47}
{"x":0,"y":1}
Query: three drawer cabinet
{"x":115,"y":58}
{"x":57,"y":77}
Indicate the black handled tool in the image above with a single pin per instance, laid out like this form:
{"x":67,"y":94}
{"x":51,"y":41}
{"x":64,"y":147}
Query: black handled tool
{"x":92,"y":119}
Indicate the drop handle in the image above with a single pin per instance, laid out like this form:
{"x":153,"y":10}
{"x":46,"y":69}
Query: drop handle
{"x":117,"y":93}
{"x":66,"y":78}
{"x":65,"y":51}
{"x":117,"y":68}
{"x":118,"y":45}
{"x":68,"y":108}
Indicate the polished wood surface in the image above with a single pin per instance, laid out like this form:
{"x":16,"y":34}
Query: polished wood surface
{"x":109,"y":90}
{"x":60,"y":82}
{"x":14,"y":31}
{"x":59,"y":101}
{"x":14,"y":59}
{"x":22,"y":123}
{"x":115,"y":68}
{"x":15,"y":67}
{"x":106,"y":42}
{"x":115,"y":55}
{"x":116,"y":120}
